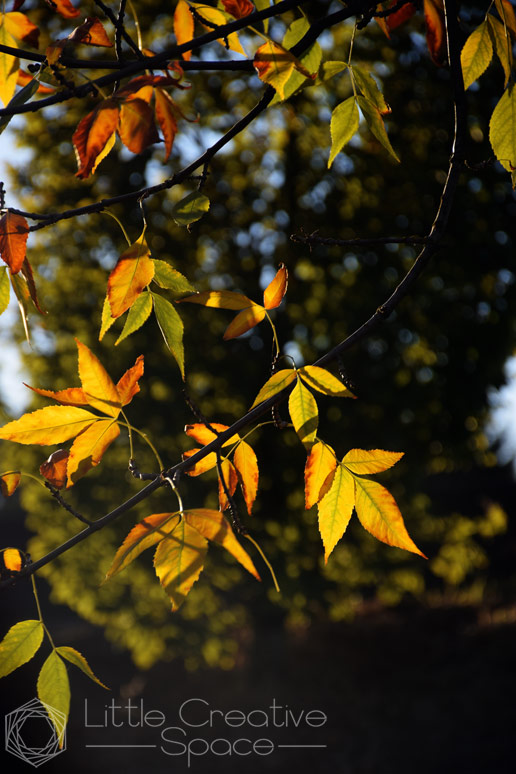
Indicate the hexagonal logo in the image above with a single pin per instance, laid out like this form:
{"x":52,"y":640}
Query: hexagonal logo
{"x":31,"y":735}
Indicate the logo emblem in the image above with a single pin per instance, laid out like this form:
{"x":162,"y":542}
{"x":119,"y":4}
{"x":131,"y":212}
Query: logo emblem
{"x":31,"y":735}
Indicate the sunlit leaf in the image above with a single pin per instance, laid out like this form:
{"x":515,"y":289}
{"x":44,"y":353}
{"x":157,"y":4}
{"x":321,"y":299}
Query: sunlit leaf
{"x":435,"y":30}
{"x":133,"y":272}
{"x":145,"y":534}
{"x":138,"y":314}
{"x":343,"y":125}
{"x":78,"y":660}
{"x":274,"y":65}
{"x":97,"y":383}
{"x":166,"y":114}
{"x":8,"y":67}
{"x":319,"y":470}
{"x":92,"y":134}
{"x":183,"y":25}
{"x":330,"y":69}
{"x":179,"y":560}
{"x":206,"y":463}
{"x":14,"y":231}
{"x":5,"y":289}
{"x":128,"y":386}
{"x":220,"y":299}
{"x":26,"y":271}
{"x":90,"y":33}
{"x":107,"y":320}
{"x":215,"y":527}
{"x":171,"y":279}
{"x":30,"y":87}
{"x":246,"y":465}
{"x":335,"y":509}
{"x":369,"y":88}
{"x":476,"y":54}
{"x":364,"y":462}
{"x":502,"y":130}
{"x":502,"y":44}
{"x":89,"y":447}
{"x":303,"y":413}
{"x":244,"y":321}
{"x":54,"y":469}
{"x":310,"y":60}
{"x":191,"y":208}
{"x":21,"y":27}
{"x":65,"y":8}
{"x":231,"y":481}
{"x":275,"y":290}
{"x":54,"y":692}
{"x":322,"y":380}
{"x":136,"y":126}
{"x":49,"y":425}
{"x":13,"y":560}
{"x":171,"y":327}
{"x":238,"y":8}
{"x":380,"y":515}
{"x":219,"y":18}
{"x":9,"y":483}
{"x":202,"y":434}
{"x":375,"y":123}
{"x":278,"y":382}
{"x":507,"y":15}
{"x":19,"y":645}
{"x":72,"y":396}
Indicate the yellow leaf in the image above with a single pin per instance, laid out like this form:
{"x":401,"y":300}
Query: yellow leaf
{"x":322,"y":380}
{"x":303,"y":413}
{"x":145,"y":534}
{"x":319,"y":470}
{"x":76,"y":658}
{"x":231,"y":481}
{"x":220,"y":299}
{"x":88,"y":448}
{"x":244,"y":321}
{"x":183,"y":25}
{"x":476,"y":54}
{"x":54,"y":693}
{"x":9,"y":482}
{"x":98,"y":386}
{"x":9,"y":66}
{"x":179,"y":560}
{"x":219,"y":18}
{"x":133,"y":272}
{"x":246,"y":466}
{"x":275,"y":290}
{"x":274,"y":65}
{"x":343,"y":125}
{"x":214,"y":526}
{"x":19,"y":645}
{"x":275,"y":384}
{"x":507,"y":15}
{"x":335,"y":509}
{"x":374,"y":461}
{"x":49,"y":425}
{"x":108,"y":147}
{"x":379,"y":514}
{"x":502,"y":130}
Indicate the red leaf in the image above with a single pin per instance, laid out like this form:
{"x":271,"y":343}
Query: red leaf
{"x":92,"y":134}
{"x":54,"y":469}
{"x":400,"y":16}
{"x":64,"y":7}
{"x":238,"y":8}
{"x":435,"y":31}
{"x":14,"y":231}
{"x":166,"y":111}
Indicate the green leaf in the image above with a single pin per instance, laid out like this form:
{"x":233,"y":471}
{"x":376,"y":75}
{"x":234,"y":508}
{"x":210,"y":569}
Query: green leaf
{"x":19,"y":645}
{"x":502,"y":45}
{"x":138,"y":314}
{"x":369,"y":88}
{"x":54,"y":692}
{"x":4,"y":289}
{"x":303,"y":413}
{"x":476,"y":54}
{"x":171,"y":326}
{"x":20,"y":98}
{"x":78,"y":660}
{"x":107,"y":320}
{"x":375,"y":123}
{"x":191,"y":208}
{"x":310,"y":60}
{"x":343,"y":125}
{"x":329,"y":70}
{"x":170,"y":279}
{"x":502,"y":131}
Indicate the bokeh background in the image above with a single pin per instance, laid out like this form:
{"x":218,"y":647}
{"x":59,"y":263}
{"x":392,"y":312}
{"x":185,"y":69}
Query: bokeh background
{"x":410,"y":660}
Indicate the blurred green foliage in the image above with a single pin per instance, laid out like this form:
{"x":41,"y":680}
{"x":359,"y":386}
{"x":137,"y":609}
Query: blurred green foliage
{"x":421,"y":379}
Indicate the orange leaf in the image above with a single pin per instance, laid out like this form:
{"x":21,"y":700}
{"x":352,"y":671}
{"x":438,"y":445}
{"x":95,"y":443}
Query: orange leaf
{"x":54,"y":469}
{"x":19,"y":26}
{"x":128,"y":386}
{"x":507,"y":15}
{"x":319,"y":470}
{"x":400,"y":16}
{"x":207,"y":463}
{"x":231,"y":481}
{"x":12,"y":559}
{"x":26,"y":271}
{"x":14,"y":231}
{"x":238,"y":8}
{"x":49,"y":425}
{"x":275,"y":290}
{"x":92,"y":134}
{"x":9,"y":482}
{"x":379,"y":514}
{"x":220,"y":299}
{"x":435,"y":31}
{"x":88,"y":448}
{"x":214,"y":526}
{"x":64,"y":7}
{"x":72,"y":396}
{"x":335,"y":509}
{"x":183,"y":26}
{"x":90,"y":33}
{"x":136,"y":125}
{"x":246,"y":466}
{"x":24,"y":78}
{"x":202,"y":434}
{"x":144,"y":535}
{"x":131,"y":275}
{"x":244,"y":321}
{"x":165,"y":108}
{"x":98,"y":386}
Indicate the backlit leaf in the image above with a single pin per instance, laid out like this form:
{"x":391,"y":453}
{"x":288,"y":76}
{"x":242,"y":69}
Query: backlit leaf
{"x":244,"y":321}
{"x":4,"y":289}
{"x":191,"y":208}
{"x":49,"y":425}
{"x":215,"y":527}
{"x":12,"y":559}
{"x":89,"y":447}
{"x":138,"y":314}
{"x":171,"y":279}
{"x":363,"y":462}
{"x":65,"y":8}
{"x":132,"y":273}
{"x":14,"y":231}
{"x":220,"y":299}
{"x":166,"y":114}
{"x":54,"y":692}
{"x":343,"y":125}
{"x":78,"y":660}
{"x":21,"y":27}
{"x":330,"y":69}
{"x":72,"y":396}
{"x":219,"y":18}
{"x":303,"y":413}
{"x":30,"y":87}
{"x":246,"y":465}
{"x":145,"y":534}
{"x":435,"y":30}
{"x":502,"y":44}
{"x":476,"y":54}
{"x":90,"y":33}
{"x":369,"y":88}
{"x":19,"y":645}
{"x":322,"y":380}
{"x":375,"y":123}
{"x":128,"y":386}
{"x":320,"y":466}
{"x":26,"y":271}
{"x":380,"y":515}
{"x":278,"y":382}
{"x":206,"y":463}
{"x":179,"y":560}
{"x":92,"y":134}
{"x":97,"y":384}
{"x":107,"y":320}
{"x":183,"y":25}
{"x":202,"y":434}
{"x":275,"y":290}
{"x":9,"y":483}
{"x":171,"y":327}
{"x":507,"y":15}
{"x":310,"y":60}
{"x":274,"y":65}
{"x":335,"y":509}
{"x":136,"y":126}
{"x":502,"y":130}
{"x":54,"y":469}
{"x":231,"y":481}
{"x":238,"y":8}
{"x":8,"y":67}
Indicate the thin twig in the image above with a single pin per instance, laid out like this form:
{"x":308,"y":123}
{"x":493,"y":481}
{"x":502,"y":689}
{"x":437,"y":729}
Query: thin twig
{"x":62,"y":502}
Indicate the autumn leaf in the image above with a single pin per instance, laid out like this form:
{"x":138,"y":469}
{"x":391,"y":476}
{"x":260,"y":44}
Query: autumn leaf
{"x":238,"y":8}
{"x":98,"y":386}
{"x":502,"y":130}
{"x":206,"y":463}
{"x":244,"y":321}
{"x":183,"y":25}
{"x":215,"y":527}
{"x":166,"y":115}
{"x":13,"y":560}
{"x":71,"y":396}
{"x":54,"y":469}
{"x":92,"y":134}
{"x":204,"y":435}
{"x":19,"y":645}
{"x":132,"y":273}
{"x":8,"y":66}
{"x":274,"y":65}
{"x":128,"y":386}
{"x":275,"y":290}
{"x":323,"y":381}
{"x":89,"y":447}
{"x":246,"y":465}
{"x":64,"y":7}
{"x":4,"y":288}
{"x":319,"y":471}
{"x":20,"y":26}
{"x":220,"y":299}
{"x":502,"y":44}
{"x":476,"y":54}
{"x":191,"y":208}
{"x":138,"y":314}
{"x":49,"y":425}
{"x":136,"y":126}
{"x":145,"y":534}
{"x":90,"y":33}
{"x":179,"y":560}
{"x":230,"y":479}
{"x":376,"y":125}
{"x":171,"y":279}
{"x":303,"y":413}
{"x":14,"y":231}
{"x":218,"y":18}
{"x":278,"y":382}
{"x":9,"y":482}
{"x":26,"y":272}
{"x":54,"y":692}
{"x":435,"y":30}
{"x":335,"y":509}
{"x":369,"y":88}
{"x":171,"y":327}
{"x":364,"y":462}
{"x":507,"y":15}
{"x":343,"y":125}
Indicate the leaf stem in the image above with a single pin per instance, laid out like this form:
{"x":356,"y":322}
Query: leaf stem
{"x":269,"y":565}
{"x":147,"y":440}
{"x":124,"y":232}
{"x":273,"y":333}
